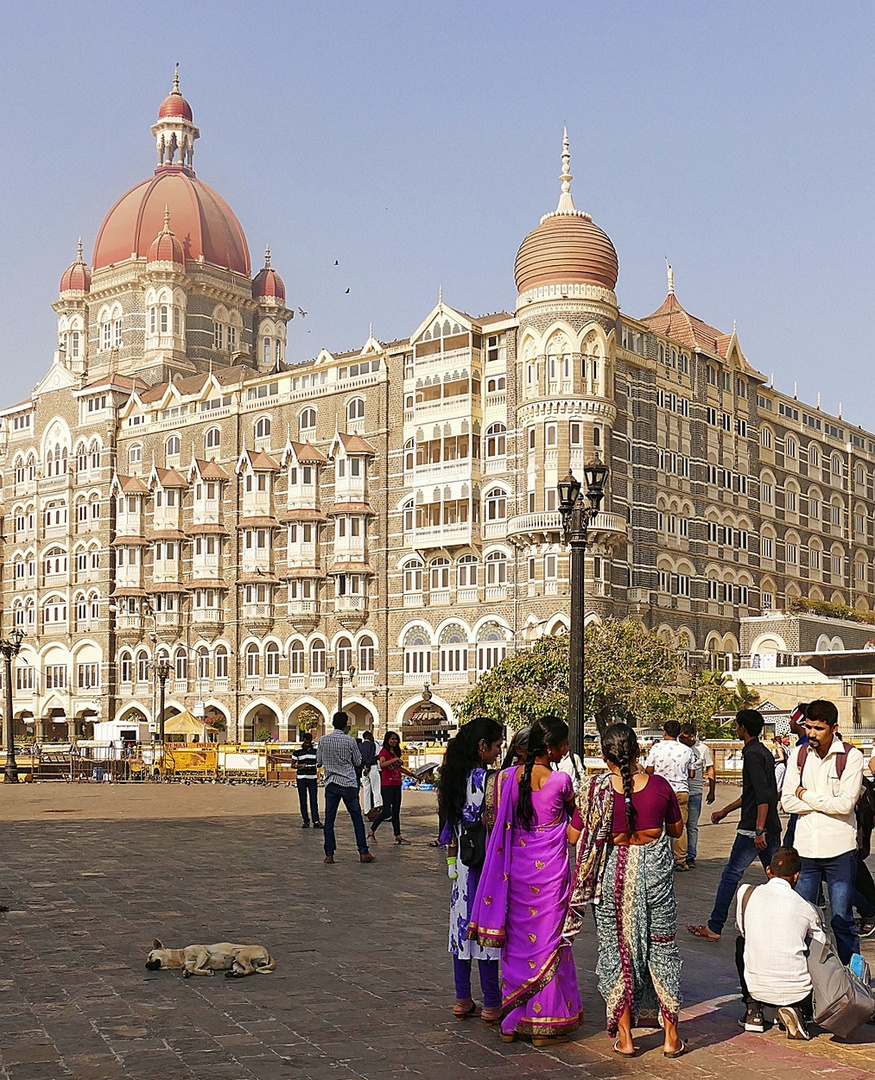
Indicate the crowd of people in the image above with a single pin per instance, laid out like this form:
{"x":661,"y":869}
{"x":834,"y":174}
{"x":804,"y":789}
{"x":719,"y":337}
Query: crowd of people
{"x":533,"y":845}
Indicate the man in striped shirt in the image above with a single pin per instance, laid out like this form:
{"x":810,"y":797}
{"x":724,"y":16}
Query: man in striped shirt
{"x":339,"y":756}
{"x":307,"y":781}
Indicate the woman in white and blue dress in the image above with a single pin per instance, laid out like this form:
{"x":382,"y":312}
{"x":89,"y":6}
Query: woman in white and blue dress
{"x":461,"y":795}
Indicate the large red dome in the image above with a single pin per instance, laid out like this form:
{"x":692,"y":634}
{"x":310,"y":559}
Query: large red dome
{"x":202,"y":221}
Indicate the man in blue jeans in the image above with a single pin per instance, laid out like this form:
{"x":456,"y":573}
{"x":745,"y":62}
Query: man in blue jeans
{"x":339,"y":756}
{"x":758,"y":835}
{"x":822,"y":786}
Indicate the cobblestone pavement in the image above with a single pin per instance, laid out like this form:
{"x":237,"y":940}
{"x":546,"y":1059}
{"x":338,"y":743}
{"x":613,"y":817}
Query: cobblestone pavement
{"x":362,"y":987}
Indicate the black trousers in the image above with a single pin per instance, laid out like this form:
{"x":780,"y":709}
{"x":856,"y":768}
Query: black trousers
{"x":805,"y":1006}
{"x":307,"y":790}
{"x":391,"y":809}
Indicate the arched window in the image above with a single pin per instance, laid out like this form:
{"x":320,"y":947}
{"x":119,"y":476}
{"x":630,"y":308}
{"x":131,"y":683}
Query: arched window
{"x":212,"y":439}
{"x":221,"y":662}
{"x":262,"y":427}
{"x":180,"y":664}
{"x":296,"y":658}
{"x":790,"y":447}
{"x":135,"y":454}
{"x":307,"y":421}
{"x":94,"y":606}
{"x":453,"y":652}
{"x":366,"y":654}
{"x":55,"y":561}
{"x":496,"y":440}
{"x":417,"y":653}
{"x":496,"y":568}
{"x":496,"y":505}
{"x":253,"y":661}
{"x":467,"y":571}
{"x":142,"y":666}
{"x":317,"y":658}
{"x":409,"y":455}
{"x":271,"y":658}
{"x":440,"y":574}
{"x":202,"y":661}
{"x":344,"y":654}
{"x":491,"y":648}
{"x":409,"y":512}
{"x":173,"y":446}
{"x":126,"y":668}
{"x":413,"y":576}
{"x":355,"y":409}
{"x":766,"y":438}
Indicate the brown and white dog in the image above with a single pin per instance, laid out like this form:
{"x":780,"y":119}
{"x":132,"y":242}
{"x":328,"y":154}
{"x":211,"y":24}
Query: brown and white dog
{"x":235,"y":960}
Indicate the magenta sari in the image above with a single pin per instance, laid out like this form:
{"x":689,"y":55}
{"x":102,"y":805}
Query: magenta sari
{"x":521,"y":904}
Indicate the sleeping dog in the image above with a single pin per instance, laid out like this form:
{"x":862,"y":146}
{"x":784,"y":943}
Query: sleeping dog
{"x":235,"y":960}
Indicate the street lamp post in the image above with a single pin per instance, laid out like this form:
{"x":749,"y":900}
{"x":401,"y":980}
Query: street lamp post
{"x":577,"y":512}
{"x":334,"y":673}
{"x":162,"y":670}
{"x":10,"y":648}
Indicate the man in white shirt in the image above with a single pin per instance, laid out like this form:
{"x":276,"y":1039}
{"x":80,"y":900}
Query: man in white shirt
{"x":675,"y":763}
{"x":822,"y":785}
{"x":776,"y":925}
{"x":703,"y":769}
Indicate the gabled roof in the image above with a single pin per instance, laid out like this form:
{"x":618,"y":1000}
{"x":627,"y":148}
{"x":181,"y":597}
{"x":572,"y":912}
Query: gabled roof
{"x":673,"y":321}
{"x":168,"y":478}
{"x":259,"y":460}
{"x":123,"y":382}
{"x":352,"y":444}
{"x":207,"y":470}
{"x":304,"y":452}
{"x":130,"y":485}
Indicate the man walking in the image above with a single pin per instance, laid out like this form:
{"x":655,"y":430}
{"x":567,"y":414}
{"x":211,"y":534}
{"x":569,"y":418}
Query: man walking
{"x":822,"y":786}
{"x":307,"y":781}
{"x":703,"y":769}
{"x":674,"y":762}
{"x":339,"y":756}
{"x":759,"y":828}
{"x":372,"y":795}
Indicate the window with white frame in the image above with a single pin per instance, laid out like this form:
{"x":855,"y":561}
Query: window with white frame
{"x":496,"y":568}
{"x":467,"y":571}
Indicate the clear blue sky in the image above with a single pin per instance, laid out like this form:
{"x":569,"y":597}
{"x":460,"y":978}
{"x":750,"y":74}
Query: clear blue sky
{"x":417,"y":143}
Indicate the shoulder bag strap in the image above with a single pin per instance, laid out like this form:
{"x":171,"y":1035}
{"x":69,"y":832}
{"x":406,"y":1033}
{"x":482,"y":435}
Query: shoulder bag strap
{"x":744,"y":902}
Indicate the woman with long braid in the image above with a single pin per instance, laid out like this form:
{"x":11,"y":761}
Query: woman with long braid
{"x":522,"y":899}
{"x":624,"y":867}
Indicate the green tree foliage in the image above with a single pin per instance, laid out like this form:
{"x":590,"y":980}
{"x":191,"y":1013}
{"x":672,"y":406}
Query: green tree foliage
{"x":629,"y":676}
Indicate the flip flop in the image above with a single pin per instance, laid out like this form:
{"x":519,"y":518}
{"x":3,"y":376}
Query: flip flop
{"x":434,"y":843}
{"x":682,"y":1049}
{"x":623,"y":1053}
{"x":702,"y":932}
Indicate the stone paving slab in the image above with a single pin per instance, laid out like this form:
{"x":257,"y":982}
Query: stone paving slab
{"x":363,"y":984}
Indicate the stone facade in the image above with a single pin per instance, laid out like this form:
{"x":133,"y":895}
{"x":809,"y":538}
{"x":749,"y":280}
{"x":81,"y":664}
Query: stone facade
{"x":173,"y":490}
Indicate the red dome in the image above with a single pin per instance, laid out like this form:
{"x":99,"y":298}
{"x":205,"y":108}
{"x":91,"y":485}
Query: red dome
{"x":205,"y":224}
{"x":268,"y":283}
{"x":566,"y":249}
{"x":175,"y":105}
{"x":76,"y":278}
{"x":166,"y":248}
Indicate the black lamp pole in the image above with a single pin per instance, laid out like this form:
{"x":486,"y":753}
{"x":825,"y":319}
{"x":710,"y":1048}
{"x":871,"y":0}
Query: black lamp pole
{"x":162,"y":670}
{"x":10,"y":648}
{"x":577,"y":513}
{"x":334,"y":673}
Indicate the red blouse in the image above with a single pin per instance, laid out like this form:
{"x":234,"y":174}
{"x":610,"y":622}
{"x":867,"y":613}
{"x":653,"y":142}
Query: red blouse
{"x":390,"y":775}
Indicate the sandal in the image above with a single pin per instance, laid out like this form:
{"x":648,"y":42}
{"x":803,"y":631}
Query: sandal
{"x":549,"y":1040}
{"x":507,"y":1036}
{"x":704,"y":932}
{"x":682,"y":1049}
{"x":401,"y":840}
{"x":623,"y":1053}
{"x":461,"y":1012}
{"x":489,"y":1016}
{"x":434,"y":843}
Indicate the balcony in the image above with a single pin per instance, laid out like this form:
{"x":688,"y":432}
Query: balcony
{"x":207,"y":615}
{"x":460,"y":534}
{"x":351,"y":603}
{"x":467,"y":596}
{"x":443,"y":472}
{"x":365,"y":679}
{"x":207,"y":512}
{"x":413,"y":600}
{"x":544,"y":527}
{"x":304,"y":607}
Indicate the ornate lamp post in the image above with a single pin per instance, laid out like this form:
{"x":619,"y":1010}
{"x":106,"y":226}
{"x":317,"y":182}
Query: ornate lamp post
{"x":162,"y":671}
{"x":337,"y":675}
{"x":577,"y":512}
{"x":10,"y":648}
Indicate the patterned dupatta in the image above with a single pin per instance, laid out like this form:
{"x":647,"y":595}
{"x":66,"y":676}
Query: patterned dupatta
{"x":487,"y":924}
{"x":595,"y":802}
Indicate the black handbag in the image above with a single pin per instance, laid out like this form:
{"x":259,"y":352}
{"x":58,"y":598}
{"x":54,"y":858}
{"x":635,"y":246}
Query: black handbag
{"x":472,"y":845}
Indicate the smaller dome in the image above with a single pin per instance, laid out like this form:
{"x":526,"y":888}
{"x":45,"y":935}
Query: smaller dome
{"x":165,"y":247}
{"x":77,"y":276}
{"x":267,"y":282}
{"x":175,"y":104}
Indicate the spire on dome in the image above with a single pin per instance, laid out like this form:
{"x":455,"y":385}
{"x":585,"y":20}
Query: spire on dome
{"x":77,"y":276}
{"x":175,"y":132}
{"x":267,"y":257}
{"x":566,"y":203}
{"x":79,"y":251}
{"x":670,"y":274}
{"x":166,"y":218}
{"x":175,"y":89}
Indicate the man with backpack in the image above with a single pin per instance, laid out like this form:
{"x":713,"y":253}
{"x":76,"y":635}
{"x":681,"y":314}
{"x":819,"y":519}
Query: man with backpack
{"x":822,"y":785}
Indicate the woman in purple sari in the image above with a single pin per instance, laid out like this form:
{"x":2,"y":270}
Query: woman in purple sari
{"x":522,"y":899}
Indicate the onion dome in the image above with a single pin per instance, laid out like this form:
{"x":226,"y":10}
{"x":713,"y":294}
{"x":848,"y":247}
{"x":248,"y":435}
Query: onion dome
{"x":567,"y":248}
{"x":175,"y":105}
{"x":267,"y":282}
{"x":165,"y":247}
{"x":77,"y":276}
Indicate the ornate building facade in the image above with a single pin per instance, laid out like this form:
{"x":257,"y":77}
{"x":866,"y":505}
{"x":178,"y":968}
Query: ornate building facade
{"x":174,"y":490}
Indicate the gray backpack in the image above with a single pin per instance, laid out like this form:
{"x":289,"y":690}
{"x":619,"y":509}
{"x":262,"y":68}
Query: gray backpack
{"x":842,"y":1002}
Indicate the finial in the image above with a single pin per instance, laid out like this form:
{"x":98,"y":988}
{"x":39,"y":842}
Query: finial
{"x":267,"y":257}
{"x":371,"y":329}
{"x":440,"y":294}
{"x":166,"y":218}
{"x":566,"y":203}
{"x":176,"y":80}
{"x":670,"y":274}
{"x":79,"y":250}
{"x":735,"y":326}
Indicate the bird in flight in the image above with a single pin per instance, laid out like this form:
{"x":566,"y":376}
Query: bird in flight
{"x":336,"y":263}
{"x":302,"y":313}
{"x":347,"y":290}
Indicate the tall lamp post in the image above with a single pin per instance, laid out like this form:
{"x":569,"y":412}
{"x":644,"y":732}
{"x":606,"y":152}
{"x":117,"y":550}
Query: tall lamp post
{"x":335,"y":673}
{"x":10,"y":648}
{"x":577,"y":510}
{"x":162,"y":670}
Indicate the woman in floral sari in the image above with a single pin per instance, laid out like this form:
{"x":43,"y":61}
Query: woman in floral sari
{"x":522,"y":898}
{"x":625,"y":869}
{"x":461,"y":799}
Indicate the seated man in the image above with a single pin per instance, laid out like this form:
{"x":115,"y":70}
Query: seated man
{"x":776,"y":924}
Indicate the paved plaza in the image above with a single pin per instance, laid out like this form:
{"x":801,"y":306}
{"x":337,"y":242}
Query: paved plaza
{"x":362,"y":987}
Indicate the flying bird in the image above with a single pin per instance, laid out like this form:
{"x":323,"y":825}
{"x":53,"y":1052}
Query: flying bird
{"x":302,"y":313}
{"x":336,"y":263}
{"x":347,"y":290}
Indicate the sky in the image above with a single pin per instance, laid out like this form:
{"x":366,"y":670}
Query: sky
{"x":417,"y":143}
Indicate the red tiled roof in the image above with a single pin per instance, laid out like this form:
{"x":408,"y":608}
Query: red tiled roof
{"x":167,"y":586}
{"x":209,"y":528}
{"x":308,"y":453}
{"x":267,"y":577}
{"x":351,"y":568}
{"x":260,"y":459}
{"x":303,"y":514}
{"x":295,"y":572}
{"x":258,"y":521}
{"x":130,"y":541}
{"x":674,"y":322}
{"x":131,"y":485}
{"x":128,"y":592}
{"x":208,"y":583}
{"x":209,"y":470}
{"x":355,"y":444}
{"x":167,"y":534}
{"x":351,"y":508}
{"x":170,"y":478}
